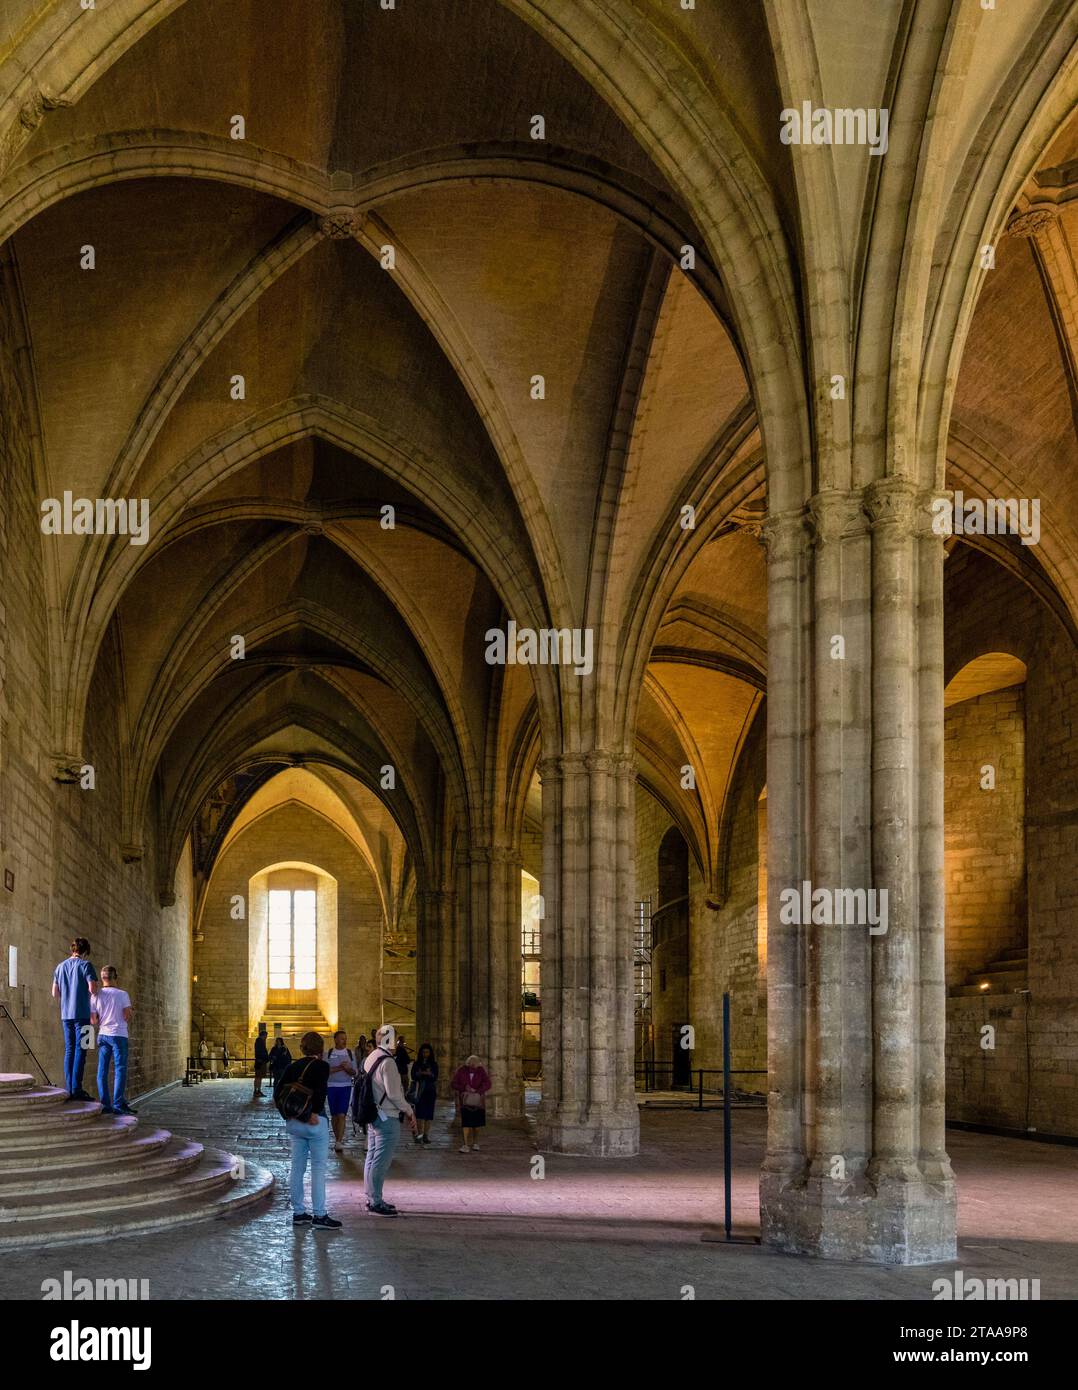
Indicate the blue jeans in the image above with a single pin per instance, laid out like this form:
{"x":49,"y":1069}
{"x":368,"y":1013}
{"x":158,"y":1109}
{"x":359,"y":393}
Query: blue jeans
{"x":382,"y":1136}
{"x":111,"y":1049}
{"x":74,"y":1053}
{"x":309,"y":1141}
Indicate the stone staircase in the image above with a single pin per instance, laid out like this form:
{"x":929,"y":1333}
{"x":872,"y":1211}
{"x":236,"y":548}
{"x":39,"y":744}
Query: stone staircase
{"x":295,"y":1020}
{"x":70,"y":1174}
{"x":1008,"y":972}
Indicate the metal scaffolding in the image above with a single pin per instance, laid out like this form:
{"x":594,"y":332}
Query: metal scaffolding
{"x":642,"y":947}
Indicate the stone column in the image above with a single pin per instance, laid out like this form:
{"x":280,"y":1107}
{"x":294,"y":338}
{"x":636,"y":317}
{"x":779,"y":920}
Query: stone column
{"x":507,"y":1095}
{"x":856,"y":1166}
{"x":490,"y":1002}
{"x":436,"y":977}
{"x":785,"y":1159}
{"x":934,"y":1162}
{"x":840,"y":957}
{"x":589,"y":1104}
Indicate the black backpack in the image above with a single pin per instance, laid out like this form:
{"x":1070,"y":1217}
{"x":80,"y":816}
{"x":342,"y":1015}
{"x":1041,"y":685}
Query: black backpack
{"x":294,"y":1100}
{"x":364,"y":1109}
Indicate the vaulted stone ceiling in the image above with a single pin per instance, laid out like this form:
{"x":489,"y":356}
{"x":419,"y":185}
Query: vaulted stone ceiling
{"x":410,"y":387}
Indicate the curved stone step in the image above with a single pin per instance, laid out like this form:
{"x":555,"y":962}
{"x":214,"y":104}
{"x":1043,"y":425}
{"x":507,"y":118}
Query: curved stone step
{"x":117,"y":1147}
{"x":105,"y":1129}
{"x":14,"y":1102}
{"x":174,"y":1157}
{"x":210,"y":1171}
{"x":64,"y":1229}
{"x":134,"y":1189}
{"x":14,"y":1081}
{"x":45,"y":1117}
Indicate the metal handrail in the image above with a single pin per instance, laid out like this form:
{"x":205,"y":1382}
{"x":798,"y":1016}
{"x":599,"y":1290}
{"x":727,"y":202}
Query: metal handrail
{"x":648,"y":1071}
{"x":4,"y":1013}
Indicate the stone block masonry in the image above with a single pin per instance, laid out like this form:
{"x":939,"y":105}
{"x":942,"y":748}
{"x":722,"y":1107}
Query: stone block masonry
{"x":984,"y":830}
{"x":60,"y":842}
{"x":1011,"y":870}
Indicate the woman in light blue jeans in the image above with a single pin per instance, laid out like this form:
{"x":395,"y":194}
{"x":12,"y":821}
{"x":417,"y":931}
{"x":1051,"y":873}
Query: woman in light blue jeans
{"x":310,"y":1137}
{"x":309,"y":1141}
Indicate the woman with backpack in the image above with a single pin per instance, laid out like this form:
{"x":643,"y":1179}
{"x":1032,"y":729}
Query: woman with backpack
{"x":300,"y":1097}
{"x":424,"y":1090}
{"x":471,"y":1084}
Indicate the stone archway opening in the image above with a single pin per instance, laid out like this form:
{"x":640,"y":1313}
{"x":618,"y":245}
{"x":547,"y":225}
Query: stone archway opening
{"x":531,"y":927}
{"x":293,"y":955}
{"x":305,"y":915}
{"x":987,"y":906}
{"x":670,"y":962}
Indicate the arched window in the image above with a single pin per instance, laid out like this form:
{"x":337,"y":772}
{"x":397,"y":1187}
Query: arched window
{"x":293,"y":938}
{"x":673,"y":867}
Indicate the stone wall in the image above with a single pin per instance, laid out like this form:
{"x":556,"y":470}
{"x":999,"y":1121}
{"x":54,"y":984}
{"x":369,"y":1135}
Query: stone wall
{"x":60,"y":842}
{"x":984,"y":829}
{"x":726,"y":939}
{"x":988,"y":610}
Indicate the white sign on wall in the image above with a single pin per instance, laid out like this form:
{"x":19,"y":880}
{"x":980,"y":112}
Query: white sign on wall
{"x":13,"y":967}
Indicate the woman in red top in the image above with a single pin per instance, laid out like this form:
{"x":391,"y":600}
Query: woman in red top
{"x":471,"y":1084}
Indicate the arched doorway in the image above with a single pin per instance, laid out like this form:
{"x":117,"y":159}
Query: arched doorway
{"x":987,"y":935}
{"x":670,"y":962}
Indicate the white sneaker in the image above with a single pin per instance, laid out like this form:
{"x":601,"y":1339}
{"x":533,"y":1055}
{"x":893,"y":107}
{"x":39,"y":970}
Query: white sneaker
{"x":475,"y":1148}
{"x":464,"y":1149}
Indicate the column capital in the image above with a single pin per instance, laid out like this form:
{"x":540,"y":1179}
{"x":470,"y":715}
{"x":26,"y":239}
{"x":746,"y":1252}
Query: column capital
{"x":549,"y":769}
{"x":891,"y":502}
{"x":67,"y":767}
{"x":935,"y":515}
{"x":833,"y":515}
{"x":557,"y":766}
{"x":492,"y":854}
{"x":783,"y":535}
{"x":434,"y":896}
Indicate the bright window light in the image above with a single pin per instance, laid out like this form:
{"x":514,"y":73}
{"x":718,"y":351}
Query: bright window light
{"x":292,"y":938}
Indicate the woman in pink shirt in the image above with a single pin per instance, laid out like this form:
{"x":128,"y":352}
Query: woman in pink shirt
{"x":471,"y":1084}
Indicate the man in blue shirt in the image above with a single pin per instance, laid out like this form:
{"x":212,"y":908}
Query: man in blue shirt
{"x":73,"y":982}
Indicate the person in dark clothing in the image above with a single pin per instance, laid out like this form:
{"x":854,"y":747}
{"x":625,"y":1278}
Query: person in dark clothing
{"x":403,"y":1061}
{"x":261,"y":1061}
{"x":279,"y":1058}
{"x":73,"y":982}
{"x":425,"y":1084}
{"x":309,"y":1137}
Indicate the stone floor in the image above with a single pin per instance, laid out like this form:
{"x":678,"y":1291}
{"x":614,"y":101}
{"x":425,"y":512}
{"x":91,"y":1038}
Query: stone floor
{"x":479,"y":1226}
